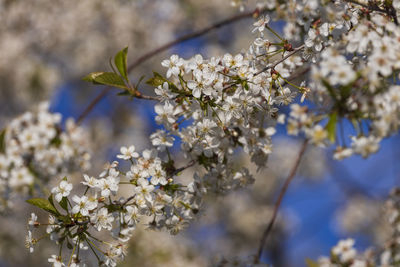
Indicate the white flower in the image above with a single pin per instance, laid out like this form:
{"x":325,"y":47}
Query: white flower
{"x":173,"y":65}
{"x":260,"y":24}
{"x":102,"y":219}
{"x":365,"y":146}
{"x":158,"y":177}
{"x":131,"y":215}
{"x":83,"y":205}
{"x":317,"y":134}
{"x":33,"y":220}
{"x":341,"y":153}
{"x":128,"y":153}
{"x":30,"y":242}
{"x":165,"y":113}
{"x":62,"y":190}
{"x":144,"y":189}
{"x":164,"y":92}
{"x":20,"y":177}
{"x":161,"y":140}
{"x":344,"y":249}
{"x":108,"y":185}
{"x":56,"y":261}
{"x":52,"y":225}
{"x":314,"y":40}
{"x":90,"y":181}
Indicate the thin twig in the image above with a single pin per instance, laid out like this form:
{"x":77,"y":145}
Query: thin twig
{"x":190,"y":164}
{"x":279,"y":200}
{"x":166,"y":46}
{"x":148,"y":97}
{"x":92,"y":104}
{"x":295,"y":50}
{"x":127,"y":200}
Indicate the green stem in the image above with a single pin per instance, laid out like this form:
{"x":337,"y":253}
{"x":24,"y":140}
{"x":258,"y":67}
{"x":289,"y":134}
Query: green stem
{"x":274,"y":32}
{"x":94,"y":252}
{"x":72,"y":254}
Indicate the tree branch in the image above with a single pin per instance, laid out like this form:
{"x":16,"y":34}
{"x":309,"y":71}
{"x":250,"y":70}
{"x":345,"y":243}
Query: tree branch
{"x":279,"y":200}
{"x":388,"y":10}
{"x":166,"y":46}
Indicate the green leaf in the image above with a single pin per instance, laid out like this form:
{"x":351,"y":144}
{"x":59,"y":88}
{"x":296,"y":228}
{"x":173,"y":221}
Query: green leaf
{"x":44,"y":204}
{"x":3,"y":141}
{"x":56,"y":141}
{"x":65,"y":219}
{"x":157,"y":80}
{"x":330,"y":89}
{"x":245,"y":85}
{"x":311,"y":263}
{"x":51,"y":200}
{"x":120,"y":61}
{"x":106,"y":78}
{"x":64,"y":203}
{"x":138,"y":83}
{"x":331,"y":127}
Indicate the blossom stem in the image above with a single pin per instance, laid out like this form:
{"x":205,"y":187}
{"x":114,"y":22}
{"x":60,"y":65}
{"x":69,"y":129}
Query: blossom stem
{"x":72,"y":253}
{"x":92,"y":249}
{"x":297,"y":49}
{"x":274,"y":32}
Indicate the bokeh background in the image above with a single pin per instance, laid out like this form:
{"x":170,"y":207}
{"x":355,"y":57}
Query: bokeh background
{"x":46,"y":47}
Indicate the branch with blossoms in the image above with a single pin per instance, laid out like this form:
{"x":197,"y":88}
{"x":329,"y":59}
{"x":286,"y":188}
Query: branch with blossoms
{"x":231,"y":103}
{"x":167,"y":46}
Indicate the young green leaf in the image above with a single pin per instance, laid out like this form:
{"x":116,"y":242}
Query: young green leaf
{"x":64,"y":203}
{"x":120,"y":61}
{"x":106,"y":78}
{"x":157,"y":80}
{"x":44,"y":204}
{"x":3,"y":141}
{"x":331,"y":127}
{"x":311,"y":263}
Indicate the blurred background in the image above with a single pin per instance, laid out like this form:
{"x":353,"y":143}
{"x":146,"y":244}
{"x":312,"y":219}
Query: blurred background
{"x":46,"y":47}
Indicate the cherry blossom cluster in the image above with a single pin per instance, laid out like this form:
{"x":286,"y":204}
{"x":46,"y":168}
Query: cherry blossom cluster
{"x":344,"y":253}
{"x":351,"y":49}
{"x":35,"y":149}
{"x":154,"y":198}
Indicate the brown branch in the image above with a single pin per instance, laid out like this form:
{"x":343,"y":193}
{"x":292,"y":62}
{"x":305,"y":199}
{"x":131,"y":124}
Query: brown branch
{"x":279,"y":200}
{"x":372,"y":6}
{"x":147,"y":97}
{"x":166,"y":46}
{"x":190,"y":164}
{"x":92,"y":104}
